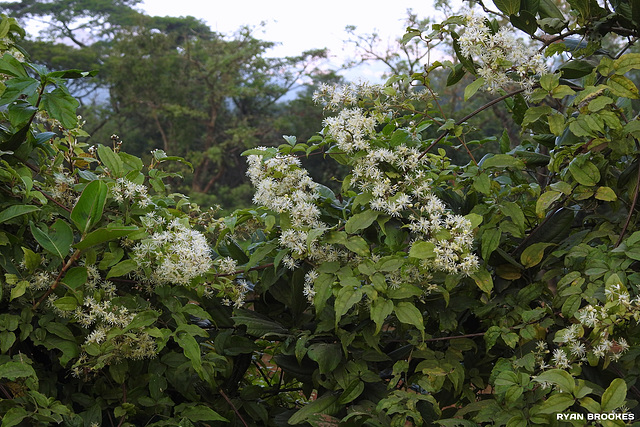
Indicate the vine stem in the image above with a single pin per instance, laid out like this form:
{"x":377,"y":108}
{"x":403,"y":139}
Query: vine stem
{"x":631,"y":209}
{"x":234,"y":407}
{"x":55,"y":284}
{"x":470,"y":115}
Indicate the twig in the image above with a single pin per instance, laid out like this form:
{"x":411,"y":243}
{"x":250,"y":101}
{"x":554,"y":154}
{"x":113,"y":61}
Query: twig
{"x":233,"y":407}
{"x":631,"y":209}
{"x":124,"y":400}
{"x":55,"y":284}
{"x":477,"y":334}
{"x":470,"y":115}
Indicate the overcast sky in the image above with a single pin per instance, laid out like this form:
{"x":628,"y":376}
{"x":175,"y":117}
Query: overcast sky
{"x":299,"y":25}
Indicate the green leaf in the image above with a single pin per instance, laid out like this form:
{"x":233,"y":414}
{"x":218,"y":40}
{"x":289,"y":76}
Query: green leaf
{"x":17,"y":210}
{"x":61,"y":106}
{"x":31,"y":259}
{"x":66,"y":303}
{"x":472,"y":88}
{"x":380,"y":309}
{"x":88,"y":210}
{"x":14,"y":370}
{"x":318,"y":406}
{"x":490,"y":241}
{"x":623,"y":87}
{"x":198,"y":412}
{"x":11,"y":66}
{"x":347,"y":298}
{"x":328,"y":356}
{"x":409,"y":314}
{"x":102,"y":235}
{"x":358,"y":245}
{"x":585,"y":174}
{"x":533,"y":254}
{"x":422,"y":250}
{"x":501,"y":161}
{"x":606,"y":194}
{"x":360,"y":221}
{"x":515,"y":212}
{"x":111,"y":161}
{"x":351,"y":393}
{"x":571,"y":305}
{"x":483,"y":280}
{"x":614,"y":396}
{"x":14,"y":416}
{"x":189,"y":346}
{"x":122,"y":268}
{"x":257,"y":324}
{"x":143,"y":319}
{"x":525,"y":21}
{"x":559,"y":377}
{"x":508,"y":7}
{"x":545,"y":200}
{"x":56,"y":240}
{"x":556,"y":403}
{"x":576,"y":69}
{"x":75,"y":277}
{"x":19,"y":289}
{"x":626,"y":63}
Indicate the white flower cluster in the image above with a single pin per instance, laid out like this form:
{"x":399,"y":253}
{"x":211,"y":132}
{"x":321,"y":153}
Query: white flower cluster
{"x":351,"y":129}
{"x":400,"y":185}
{"x":503,"y":60}
{"x":103,"y":313}
{"x":237,"y":294}
{"x":599,"y":343}
{"x":173,"y":256}
{"x":283,"y":186}
{"x":128,"y":190}
{"x":337,"y":96}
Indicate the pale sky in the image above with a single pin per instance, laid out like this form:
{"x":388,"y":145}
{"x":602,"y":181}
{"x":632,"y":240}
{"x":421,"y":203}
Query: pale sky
{"x":300,"y":25}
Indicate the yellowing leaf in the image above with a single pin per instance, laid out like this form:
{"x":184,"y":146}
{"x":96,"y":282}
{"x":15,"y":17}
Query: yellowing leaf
{"x":533,"y":254}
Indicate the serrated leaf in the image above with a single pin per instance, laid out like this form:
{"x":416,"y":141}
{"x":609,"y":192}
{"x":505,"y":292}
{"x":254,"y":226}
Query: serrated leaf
{"x":61,"y":106}
{"x":15,"y":370}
